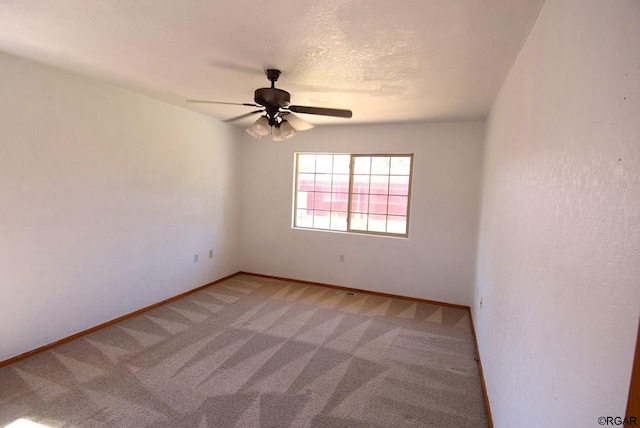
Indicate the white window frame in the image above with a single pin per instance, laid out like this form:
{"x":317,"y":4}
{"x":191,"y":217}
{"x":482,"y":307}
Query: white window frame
{"x":349,"y":213}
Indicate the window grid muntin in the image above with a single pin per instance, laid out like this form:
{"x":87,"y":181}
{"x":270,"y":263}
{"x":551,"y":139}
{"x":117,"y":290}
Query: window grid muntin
{"x":377,"y":193}
{"x":388,"y":216}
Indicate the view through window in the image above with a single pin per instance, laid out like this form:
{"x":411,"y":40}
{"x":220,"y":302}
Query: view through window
{"x":363,"y":193}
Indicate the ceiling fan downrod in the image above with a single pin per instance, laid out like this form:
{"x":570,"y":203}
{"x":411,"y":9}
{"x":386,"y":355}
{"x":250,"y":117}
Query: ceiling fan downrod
{"x":272,"y":75}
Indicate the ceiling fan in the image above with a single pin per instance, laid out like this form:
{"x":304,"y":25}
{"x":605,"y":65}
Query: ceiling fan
{"x":276,"y":112}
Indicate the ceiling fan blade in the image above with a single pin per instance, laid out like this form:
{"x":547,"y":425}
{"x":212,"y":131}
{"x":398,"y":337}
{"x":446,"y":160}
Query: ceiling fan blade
{"x":243,"y":116}
{"x":321,"y":111}
{"x":222,"y":102}
{"x":297,"y":122}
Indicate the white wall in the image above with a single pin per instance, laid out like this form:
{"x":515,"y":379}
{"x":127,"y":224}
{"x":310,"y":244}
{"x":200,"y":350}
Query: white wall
{"x":559,"y":253}
{"x":436,"y":262}
{"x":105,"y":196}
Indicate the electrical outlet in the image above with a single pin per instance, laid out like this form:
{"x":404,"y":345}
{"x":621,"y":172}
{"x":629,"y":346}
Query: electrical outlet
{"x":341,"y":258}
{"x":195,"y":258}
{"x":210,"y":254}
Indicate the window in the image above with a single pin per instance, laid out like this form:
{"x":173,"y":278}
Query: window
{"x":362,"y":193}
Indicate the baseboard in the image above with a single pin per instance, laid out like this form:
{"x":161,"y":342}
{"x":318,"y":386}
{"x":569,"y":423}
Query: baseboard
{"x":52,"y":345}
{"x":487,"y":405}
{"x":359,"y":290}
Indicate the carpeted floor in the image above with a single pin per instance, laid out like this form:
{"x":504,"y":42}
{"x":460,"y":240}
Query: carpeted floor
{"x":256,"y":352}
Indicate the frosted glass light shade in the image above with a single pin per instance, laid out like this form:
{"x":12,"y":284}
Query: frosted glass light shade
{"x":283,"y":132}
{"x":260,"y":128}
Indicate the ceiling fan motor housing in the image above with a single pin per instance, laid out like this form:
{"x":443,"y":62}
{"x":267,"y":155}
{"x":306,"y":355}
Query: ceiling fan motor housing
{"x":272,"y":97}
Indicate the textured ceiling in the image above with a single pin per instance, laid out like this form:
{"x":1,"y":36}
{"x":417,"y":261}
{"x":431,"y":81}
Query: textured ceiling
{"x":401,"y":60}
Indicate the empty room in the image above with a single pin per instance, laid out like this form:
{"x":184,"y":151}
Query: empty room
{"x":319,"y":214}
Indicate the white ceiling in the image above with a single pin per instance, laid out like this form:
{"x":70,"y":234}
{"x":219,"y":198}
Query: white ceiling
{"x":387,"y":60}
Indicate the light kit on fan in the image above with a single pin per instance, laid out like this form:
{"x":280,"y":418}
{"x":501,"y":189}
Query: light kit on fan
{"x":283,"y":131}
{"x":277,"y":113}
{"x":259,"y":128}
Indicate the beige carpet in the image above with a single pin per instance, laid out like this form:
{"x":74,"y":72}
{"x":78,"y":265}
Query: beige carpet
{"x":256,"y":352}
